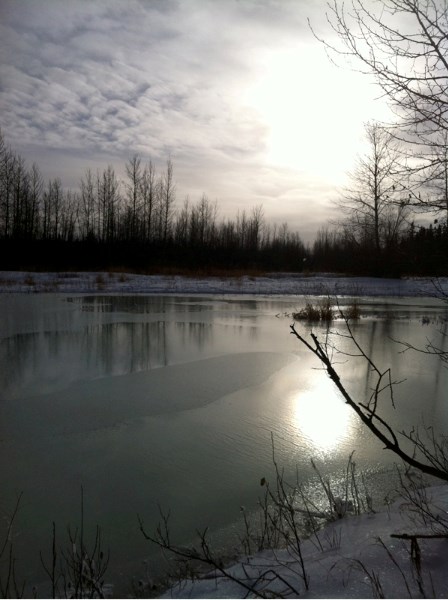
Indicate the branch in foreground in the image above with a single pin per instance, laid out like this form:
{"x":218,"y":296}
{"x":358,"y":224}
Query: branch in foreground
{"x":368,"y":415}
{"x":255,"y":583}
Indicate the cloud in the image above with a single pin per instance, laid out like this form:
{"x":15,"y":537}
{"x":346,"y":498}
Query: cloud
{"x":187,"y":56}
{"x":105,"y":79}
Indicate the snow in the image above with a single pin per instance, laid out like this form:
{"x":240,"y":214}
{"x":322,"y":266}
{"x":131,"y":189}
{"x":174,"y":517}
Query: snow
{"x":269,"y":284}
{"x":352,"y":558}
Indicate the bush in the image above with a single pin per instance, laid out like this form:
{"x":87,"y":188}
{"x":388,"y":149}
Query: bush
{"x":323,"y":311}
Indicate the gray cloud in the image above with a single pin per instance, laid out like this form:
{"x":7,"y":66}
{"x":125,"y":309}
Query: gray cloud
{"x":102,"y":80}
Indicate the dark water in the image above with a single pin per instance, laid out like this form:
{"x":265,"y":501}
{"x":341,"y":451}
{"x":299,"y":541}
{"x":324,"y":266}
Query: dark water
{"x":171,"y":400}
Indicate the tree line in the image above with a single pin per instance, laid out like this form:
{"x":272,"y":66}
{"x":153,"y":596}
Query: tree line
{"x":134,"y":223}
{"x":403,"y":174}
{"x":402,"y":45}
{"x":137,"y":223}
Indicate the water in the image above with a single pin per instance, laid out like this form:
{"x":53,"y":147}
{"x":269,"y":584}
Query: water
{"x":171,"y":401}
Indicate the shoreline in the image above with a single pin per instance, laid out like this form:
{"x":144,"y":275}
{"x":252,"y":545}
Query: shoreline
{"x":271,"y":284}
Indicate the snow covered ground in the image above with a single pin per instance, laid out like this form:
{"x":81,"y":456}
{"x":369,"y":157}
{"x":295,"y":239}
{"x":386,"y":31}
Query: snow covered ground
{"x":353,"y":564}
{"x":274,"y":283}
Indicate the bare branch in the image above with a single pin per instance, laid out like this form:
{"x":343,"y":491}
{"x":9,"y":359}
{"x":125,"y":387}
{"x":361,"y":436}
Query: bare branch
{"x":368,"y":412}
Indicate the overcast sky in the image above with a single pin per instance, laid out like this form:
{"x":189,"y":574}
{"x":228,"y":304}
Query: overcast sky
{"x":237,"y":92}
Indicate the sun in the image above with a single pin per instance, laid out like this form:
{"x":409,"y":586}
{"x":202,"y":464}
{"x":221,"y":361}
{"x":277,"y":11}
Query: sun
{"x":313,"y":112}
{"x":321,"y":417}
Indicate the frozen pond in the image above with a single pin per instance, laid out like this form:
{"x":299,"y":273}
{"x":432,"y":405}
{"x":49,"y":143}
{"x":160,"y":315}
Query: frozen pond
{"x":171,"y":400}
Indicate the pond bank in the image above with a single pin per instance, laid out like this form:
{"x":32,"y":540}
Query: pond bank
{"x":269,"y":284}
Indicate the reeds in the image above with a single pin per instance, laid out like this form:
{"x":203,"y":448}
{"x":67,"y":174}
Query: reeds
{"x":324,"y":312}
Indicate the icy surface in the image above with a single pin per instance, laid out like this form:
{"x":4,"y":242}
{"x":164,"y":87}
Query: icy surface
{"x":274,"y":283}
{"x":99,"y":403}
{"x":353,"y":559}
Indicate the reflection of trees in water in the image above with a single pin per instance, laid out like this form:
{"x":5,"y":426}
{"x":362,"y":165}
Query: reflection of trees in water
{"x":50,"y":360}
{"x":192,"y":333}
{"x":53,"y":359}
{"x":199,"y":335}
{"x":15,"y":357}
{"x":440,"y":340}
{"x":140,"y":304}
{"x":425,"y":385}
{"x":119,"y":348}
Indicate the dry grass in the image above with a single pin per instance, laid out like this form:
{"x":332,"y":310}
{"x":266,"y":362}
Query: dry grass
{"x":323,"y":311}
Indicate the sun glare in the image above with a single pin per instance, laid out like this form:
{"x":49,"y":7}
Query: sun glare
{"x":313,"y":111}
{"x":321,"y":417}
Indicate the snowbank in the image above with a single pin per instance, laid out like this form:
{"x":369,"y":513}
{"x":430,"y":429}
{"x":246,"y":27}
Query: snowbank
{"x":273,"y":283}
{"x":353,"y":564}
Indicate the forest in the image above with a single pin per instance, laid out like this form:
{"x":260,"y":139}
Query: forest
{"x":138,"y":224}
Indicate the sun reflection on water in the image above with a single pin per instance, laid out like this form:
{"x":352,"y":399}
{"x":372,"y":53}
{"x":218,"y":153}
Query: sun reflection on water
{"x":321,"y":416}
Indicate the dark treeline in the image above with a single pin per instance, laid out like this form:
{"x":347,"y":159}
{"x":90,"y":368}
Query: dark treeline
{"x":134,"y":224}
{"x":138,"y":224}
{"x":375,"y":232}
{"x":418,"y":250}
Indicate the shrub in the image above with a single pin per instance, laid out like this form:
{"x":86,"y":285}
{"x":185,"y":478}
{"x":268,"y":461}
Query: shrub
{"x":323,"y":311}
{"x":352,"y":312}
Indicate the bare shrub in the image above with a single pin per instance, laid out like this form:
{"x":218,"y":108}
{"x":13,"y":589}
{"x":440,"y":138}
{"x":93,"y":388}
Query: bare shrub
{"x":77,"y":571}
{"x":353,"y":311}
{"x":322,"y":311}
{"x":9,"y":585}
{"x":286,"y":516}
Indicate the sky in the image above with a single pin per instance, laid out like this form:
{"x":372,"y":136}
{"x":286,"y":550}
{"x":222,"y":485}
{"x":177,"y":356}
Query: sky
{"x":238,"y":93}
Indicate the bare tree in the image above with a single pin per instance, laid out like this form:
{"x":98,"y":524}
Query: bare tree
{"x":109,"y":192}
{"x":242,"y":227}
{"x":403,"y":44}
{"x":7,"y":166}
{"x":182,"y":222}
{"x":256,"y":224}
{"x":371,"y":206}
{"x":133,"y":189}
{"x":34,"y":201}
{"x":435,"y":178}
{"x":167,"y":198}
{"x":203,"y":221}
{"x":20,"y":195}
{"x":69,"y":216}
{"x":52,"y":206}
{"x":88,"y":210}
{"x":149,"y":197}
